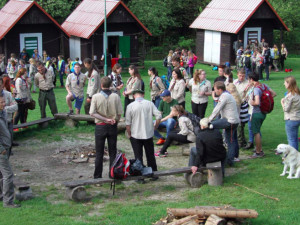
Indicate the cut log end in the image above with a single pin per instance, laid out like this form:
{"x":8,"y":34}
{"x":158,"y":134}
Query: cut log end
{"x":77,"y":194}
{"x":215,"y":220}
{"x":195,"y":180}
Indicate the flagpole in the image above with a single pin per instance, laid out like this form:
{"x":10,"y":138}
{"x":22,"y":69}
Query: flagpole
{"x":105,"y":41}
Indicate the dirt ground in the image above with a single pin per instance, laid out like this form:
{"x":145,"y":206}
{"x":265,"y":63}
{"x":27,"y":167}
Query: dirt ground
{"x":45,"y":165}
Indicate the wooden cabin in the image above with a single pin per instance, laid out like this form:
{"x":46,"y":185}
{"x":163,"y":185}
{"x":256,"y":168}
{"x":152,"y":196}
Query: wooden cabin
{"x":25,"y":24}
{"x":223,"y":22}
{"x":125,"y":32}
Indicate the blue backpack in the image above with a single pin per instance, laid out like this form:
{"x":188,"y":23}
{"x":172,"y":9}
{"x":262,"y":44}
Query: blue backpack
{"x":165,"y":81}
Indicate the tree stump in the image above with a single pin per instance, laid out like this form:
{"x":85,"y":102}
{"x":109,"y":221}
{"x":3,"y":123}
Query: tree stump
{"x":215,"y":220}
{"x":70,"y":123}
{"x":195,"y":180}
{"x":77,"y":194}
{"x":43,"y":125}
{"x":215,"y":176}
{"x":22,"y":195}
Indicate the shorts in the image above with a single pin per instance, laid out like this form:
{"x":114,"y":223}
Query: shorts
{"x":256,"y":122}
{"x":78,"y":101}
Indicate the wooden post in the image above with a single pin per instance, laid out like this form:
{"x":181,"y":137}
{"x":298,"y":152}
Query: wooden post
{"x":77,"y":194}
{"x":70,"y":122}
{"x":5,"y":50}
{"x":281,"y":35}
{"x":62,"y":45}
{"x":215,"y":220}
{"x":215,"y":176}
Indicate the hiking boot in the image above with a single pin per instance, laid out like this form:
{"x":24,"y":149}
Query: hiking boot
{"x":71,"y":112}
{"x":249,"y":146}
{"x":11,"y":205}
{"x":258,"y":155}
{"x":160,"y":141}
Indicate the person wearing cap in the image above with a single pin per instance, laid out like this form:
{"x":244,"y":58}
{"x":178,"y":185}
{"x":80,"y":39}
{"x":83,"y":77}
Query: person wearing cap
{"x":140,"y":128}
{"x":209,"y":147}
{"x":107,"y":109}
{"x":229,"y":121}
{"x":75,"y":86}
{"x":167,"y":121}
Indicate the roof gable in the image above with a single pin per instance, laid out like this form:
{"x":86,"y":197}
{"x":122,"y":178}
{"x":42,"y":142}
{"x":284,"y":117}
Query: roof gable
{"x":14,"y":10}
{"x":89,"y":16}
{"x":229,"y":15}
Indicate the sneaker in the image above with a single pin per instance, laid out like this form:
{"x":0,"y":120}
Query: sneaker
{"x":249,"y":145}
{"x":16,"y":129}
{"x":160,"y":141}
{"x":258,"y":155}
{"x":71,"y":112}
{"x":159,"y":154}
{"x":236,"y":160}
{"x":12,"y":205}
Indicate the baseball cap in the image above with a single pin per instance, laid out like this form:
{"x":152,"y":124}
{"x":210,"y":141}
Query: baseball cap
{"x":165,"y":93}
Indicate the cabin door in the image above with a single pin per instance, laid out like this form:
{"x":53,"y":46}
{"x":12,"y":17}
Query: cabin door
{"x":31,"y":41}
{"x":75,"y":47}
{"x":252,"y":34}
{"x":212,"y":47}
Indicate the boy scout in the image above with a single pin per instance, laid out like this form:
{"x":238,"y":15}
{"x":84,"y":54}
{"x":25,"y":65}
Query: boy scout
{"x":107,"y":109}
{"x":44,"y":80}
{"x":75,"y":84}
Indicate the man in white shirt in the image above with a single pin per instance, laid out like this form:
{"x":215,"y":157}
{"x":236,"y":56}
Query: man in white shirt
{"x":140,"y":127}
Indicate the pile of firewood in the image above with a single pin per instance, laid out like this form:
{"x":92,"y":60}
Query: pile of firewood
{"x":207,"y":215}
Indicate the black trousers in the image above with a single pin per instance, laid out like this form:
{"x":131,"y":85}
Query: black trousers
{"x":282,"y":58}
{"x":103,"y":132}
{"x":199,"y":109}
{"x":137,"y":146}
{"x":174,"y":136}
{"x":20,"y":113}
{"x":127,"y":101}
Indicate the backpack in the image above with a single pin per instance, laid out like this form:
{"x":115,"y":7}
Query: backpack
{"x":165,"y":62}
{"x":247,"y":62}
{"x":266,"y":100}
{"x":165,"y":81}
{"x":157,"y":83}
{"x":195,"y":121}
{"x":120,"y":167}
{"x":195,"y":59}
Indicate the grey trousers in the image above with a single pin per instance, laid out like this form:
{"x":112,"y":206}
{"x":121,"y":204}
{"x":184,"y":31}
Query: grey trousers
{"x":6,"y":181}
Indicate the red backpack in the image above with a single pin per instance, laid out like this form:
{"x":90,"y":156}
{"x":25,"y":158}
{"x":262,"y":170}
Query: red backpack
{"x":120,"y":167}
{"x":266,"y":100}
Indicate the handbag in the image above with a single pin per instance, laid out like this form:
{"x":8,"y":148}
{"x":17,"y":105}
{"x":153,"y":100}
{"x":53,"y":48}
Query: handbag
{"x":31,"y":105}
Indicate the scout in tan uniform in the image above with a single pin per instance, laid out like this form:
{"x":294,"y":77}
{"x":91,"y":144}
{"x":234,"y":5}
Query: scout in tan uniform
{"x":106,"y":107}
{"x":44,"y":81}
{"x":177,"y":87}
{"x":93,"y":84}
{"x":156,"y":86}
{"x":75,"y":86}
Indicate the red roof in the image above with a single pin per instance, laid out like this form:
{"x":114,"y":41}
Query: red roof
{"x":229,"y":15}
{"x":14,"y":10}
{"x":89,"y":16}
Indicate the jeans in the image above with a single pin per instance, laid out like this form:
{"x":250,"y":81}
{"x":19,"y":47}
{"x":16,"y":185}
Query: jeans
{"x":191,"y":71}
{"x":169,"y":73}
{"x":169,"y":124}
{"x":6,"y":181}
{"x":230,"y":136}
{"x":61,"y":78}
{"x":156,"y":101}
{"x":137,"y":146}
{"x":292,"y":129}
{"x":247,"y":70}
{"x":103,"y":132}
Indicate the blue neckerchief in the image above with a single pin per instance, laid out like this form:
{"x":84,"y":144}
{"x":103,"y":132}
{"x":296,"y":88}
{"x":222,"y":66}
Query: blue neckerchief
{"x":77,"y":75}
{"x":202,"y":83}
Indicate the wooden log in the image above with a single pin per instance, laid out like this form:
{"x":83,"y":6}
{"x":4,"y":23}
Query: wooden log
{"x":195,"y":180}
{"x":215,"y":220}
{"x":35,"y":122}
{"x":77,"y":194}
{"x":193,"y":222}
{"x":215,"y":175}
{"x":70,"y":123}
{"x":184,"y":220}
{"x":226,"y":213}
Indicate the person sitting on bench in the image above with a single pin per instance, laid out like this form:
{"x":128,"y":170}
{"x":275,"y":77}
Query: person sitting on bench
{"x":186,"y":133}
{"x":209,"y":147}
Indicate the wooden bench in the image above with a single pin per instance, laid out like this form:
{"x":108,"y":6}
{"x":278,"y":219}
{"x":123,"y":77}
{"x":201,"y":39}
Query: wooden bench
{"x":77,"y":192}
{"x":42,"y":122}
{"x":73,"y":119}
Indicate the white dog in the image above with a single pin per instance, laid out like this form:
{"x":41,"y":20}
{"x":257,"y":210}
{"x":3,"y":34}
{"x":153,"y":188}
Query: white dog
{"x":290,"y":158}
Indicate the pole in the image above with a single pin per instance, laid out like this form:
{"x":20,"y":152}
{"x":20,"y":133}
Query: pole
{"x":105,"y":41}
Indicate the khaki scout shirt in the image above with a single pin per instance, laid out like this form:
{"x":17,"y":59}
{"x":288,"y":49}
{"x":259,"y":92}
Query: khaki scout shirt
{"x":133,"y":84}
{"x":157,"y":86}
{"x":76,"y":89}
{"x":109,"y":106}
{"x":21,"y":88}
{"x":11,"y":105}
{"x":93,"y":84}
{"x":242,"y":87}
{"x":204,"y":86}
{"x":44,"y":84}
{"x":291,"y":107}
{"x":177,"y":89}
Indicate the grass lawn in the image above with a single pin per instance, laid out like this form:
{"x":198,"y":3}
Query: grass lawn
{"x":260,"y":174}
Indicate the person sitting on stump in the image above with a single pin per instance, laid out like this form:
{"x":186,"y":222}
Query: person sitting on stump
{"x":186,"y":133}
{"x":209,"y":147}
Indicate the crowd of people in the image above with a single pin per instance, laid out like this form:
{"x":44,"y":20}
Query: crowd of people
{"x":236,"y":102}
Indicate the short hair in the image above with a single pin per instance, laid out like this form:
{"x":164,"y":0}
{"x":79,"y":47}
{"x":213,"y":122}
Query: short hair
{"x":253,"y":76}
{"x":176,"y":58}
{"x":76,"y":59}
{"x":220,"y":85}
{"x":77,"y":64}
{"x":204,"y":122}
{"x":242,"y":71}
{"x":61,"y":56}
{"x":105,"y":82}
{"x":39,"y":63}
{"x":221,"y":67}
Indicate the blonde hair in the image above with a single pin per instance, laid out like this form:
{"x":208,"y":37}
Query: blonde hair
{"x":292,"y":88}
{"x":196,"y":75}
{"x":171,"y":53}
{"x":32,"y":61}
{"x":231,"y":88}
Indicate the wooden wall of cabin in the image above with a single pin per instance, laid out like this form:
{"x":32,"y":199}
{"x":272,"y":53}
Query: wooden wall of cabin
{"x":227,"y":53}
{"x":200,"y":45}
